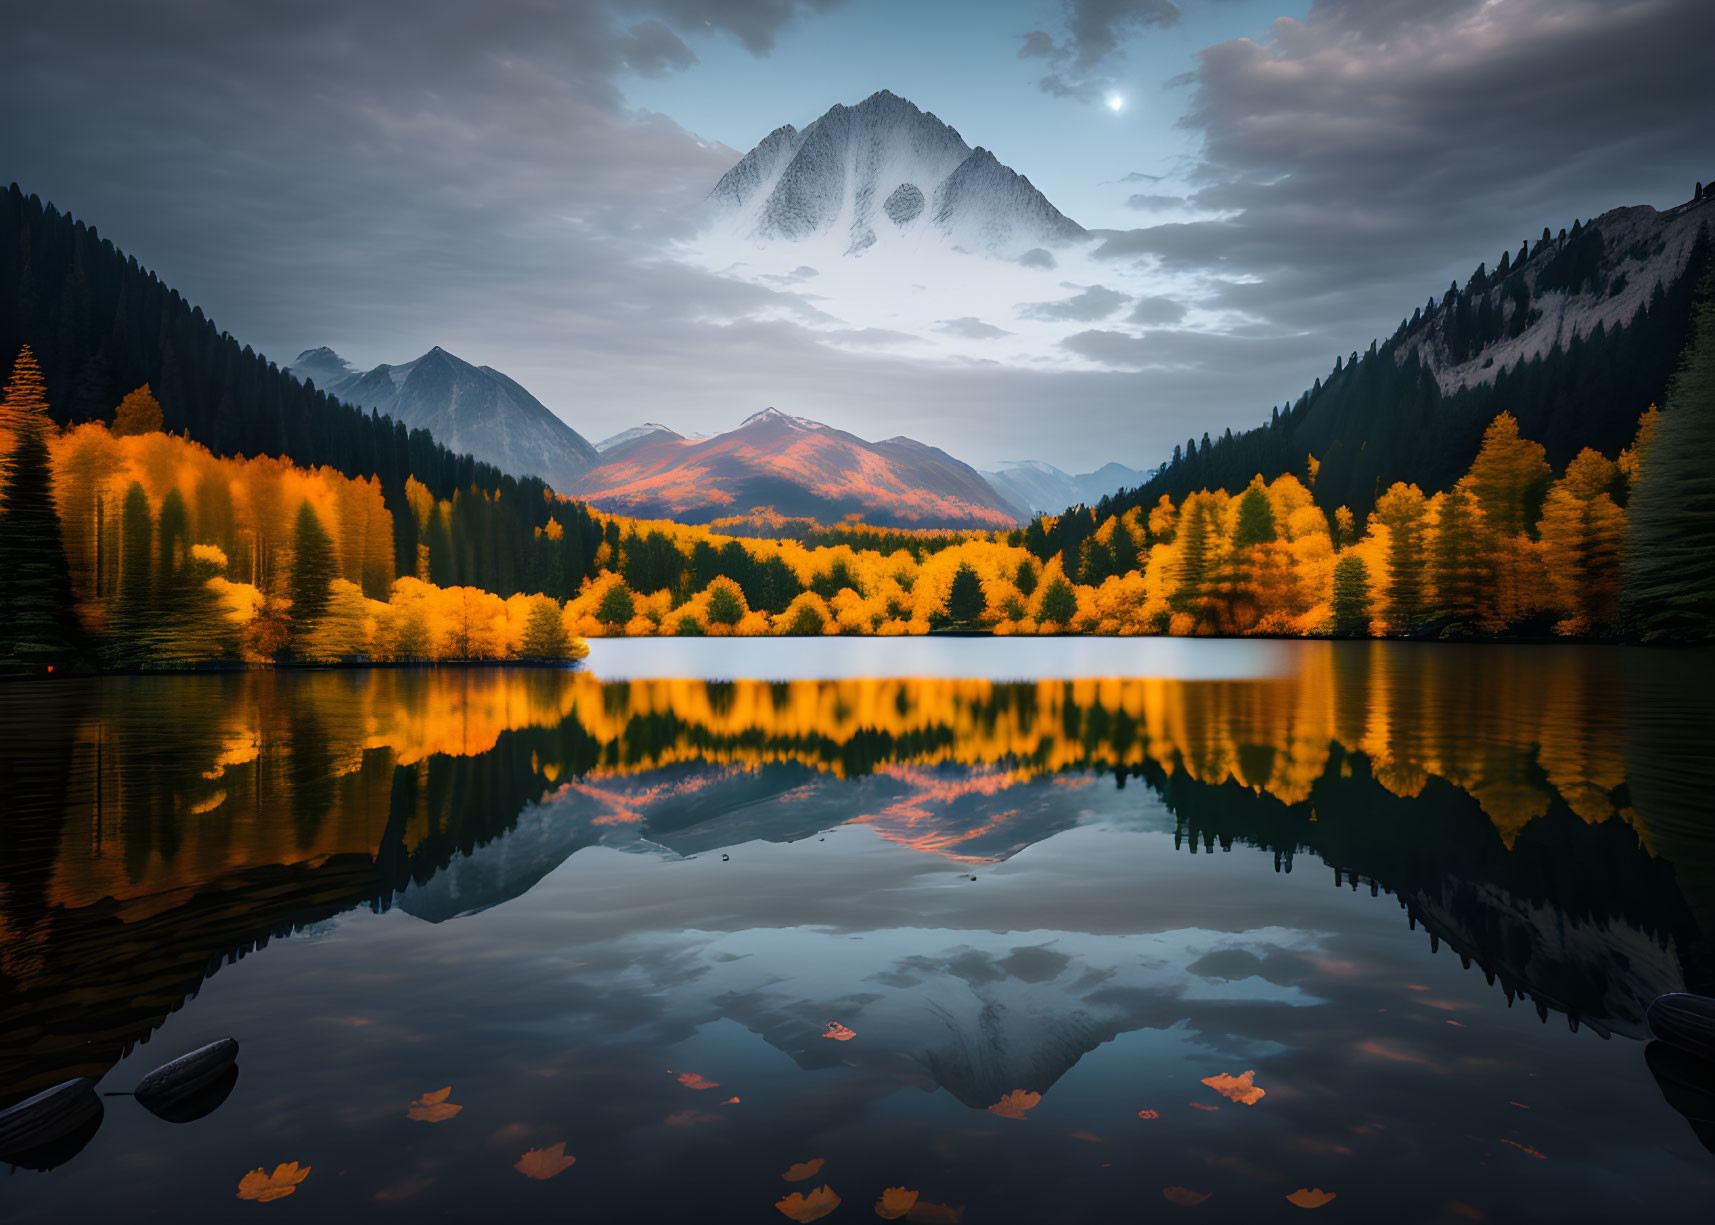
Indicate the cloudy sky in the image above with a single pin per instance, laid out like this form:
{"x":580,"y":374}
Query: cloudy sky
{"x":519,"y":182}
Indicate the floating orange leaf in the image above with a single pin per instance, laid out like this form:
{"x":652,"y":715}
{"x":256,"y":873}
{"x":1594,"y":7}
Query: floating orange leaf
{"x":1524,"y":1148}
{"x":1185,"y":1197}
{"x":803,"y":1170}
{"x":1237,"y":1088}
{"x":433,"y":1107}
{"x":894,"y":1203}
{"x":809,"y":1207}
{"x":692,"y":1081}
{"x":1202,"y":1106}
{"x":1310,"y":1197}
{"x":545,"y":1162}
{"x":924,"y":1213}
{"x":1014,"y":1104}
{"x":839,"y":1033}
{"x":263,"y":1187}
{"x":1149,"y":1114}
{"x":1091,"y":1136}
{"x":731,"y":1101}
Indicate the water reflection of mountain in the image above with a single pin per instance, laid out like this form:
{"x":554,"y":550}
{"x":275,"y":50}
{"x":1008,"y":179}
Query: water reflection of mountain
{"x":156,"y":827}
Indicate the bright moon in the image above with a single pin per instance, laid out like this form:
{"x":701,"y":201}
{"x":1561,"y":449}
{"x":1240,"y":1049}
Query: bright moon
{"x":1116,"y":103}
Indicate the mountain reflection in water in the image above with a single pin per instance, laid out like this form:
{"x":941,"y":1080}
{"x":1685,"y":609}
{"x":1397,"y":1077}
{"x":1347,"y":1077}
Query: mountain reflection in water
{"x":1540,"y":812}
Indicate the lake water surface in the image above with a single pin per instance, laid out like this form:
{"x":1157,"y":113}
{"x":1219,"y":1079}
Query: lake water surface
{"x":1416,"y":897}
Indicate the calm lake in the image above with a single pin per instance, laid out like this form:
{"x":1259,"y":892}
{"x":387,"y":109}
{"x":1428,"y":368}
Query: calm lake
{"x":1404,"y":905}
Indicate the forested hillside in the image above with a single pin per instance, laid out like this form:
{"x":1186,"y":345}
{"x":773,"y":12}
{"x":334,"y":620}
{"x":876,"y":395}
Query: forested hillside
{"x":1574,"y":335}
{"x":101,"y":324}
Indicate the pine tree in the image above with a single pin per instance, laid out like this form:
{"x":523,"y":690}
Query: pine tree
{"x":1059,"y":603}
{"x":38,"y":621}
{"x":313,"y":568}
{"x":1351,"y":597}
{"x":726,"y":604}
{"x":1195,"y":547}
{"x":965,"y":603}
{"x":1670,"y":553}
{"x":545,"y":634}
{"x":616,"y":607}
{"x":1462,"y":569}
{"x":1402,"y":510}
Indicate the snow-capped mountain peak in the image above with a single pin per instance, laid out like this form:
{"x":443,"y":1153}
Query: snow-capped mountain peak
{"x":773,"y":416}
{"x":881,"y":170}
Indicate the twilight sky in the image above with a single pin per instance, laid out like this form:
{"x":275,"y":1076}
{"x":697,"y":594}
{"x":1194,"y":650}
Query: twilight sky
{"x":516,"y":181}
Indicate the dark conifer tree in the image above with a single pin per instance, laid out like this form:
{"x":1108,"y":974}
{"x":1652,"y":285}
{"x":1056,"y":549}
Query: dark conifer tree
{"x":1670,"y":558}
{"x":1351,"y":597}
{"x":38,"y":624}
{"x":313,"y":568}
{"x":965,"y":602}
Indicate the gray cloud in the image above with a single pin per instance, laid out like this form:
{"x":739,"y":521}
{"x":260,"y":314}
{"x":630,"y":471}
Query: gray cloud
{"x":1095,"y":302}
{"x":1038,"y":44}
{"x":972,"y":328}
{"x":1157,"y":311}
{"x":650,"y":49}
{"x":1037,"y":257}
{"x":1091,"y":33}
{"x":1145,"y":203}
{"x":1368,"y":154}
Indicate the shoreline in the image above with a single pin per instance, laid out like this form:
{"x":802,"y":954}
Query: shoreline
{"x":83,"y":669}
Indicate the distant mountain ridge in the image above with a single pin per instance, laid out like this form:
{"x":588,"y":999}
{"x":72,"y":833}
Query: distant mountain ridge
{"x":798,"y":466}
{"x":881,"y":170}
{"x":1039,"y":488}
{"x":474,"y":409}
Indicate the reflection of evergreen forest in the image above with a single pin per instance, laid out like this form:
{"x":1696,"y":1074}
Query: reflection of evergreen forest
{"x":1522,"y":810}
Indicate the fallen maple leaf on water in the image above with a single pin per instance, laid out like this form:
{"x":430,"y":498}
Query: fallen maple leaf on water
{"x":263,"y":1187}
{"x":1237,"y":1088}
{"x":692,"y":1081}
{"x":1202,"y":1106}
{"x":1014,"y":1104}
{"x":731,"y":1101}
{"x":1310,"y":1197}
{"x":935,"y":1214}
{"x":809,"y":1207}
{"x":803,"y":1170}
{"x":839,"y":1033}
{"x":433,"y":1107}
{"x":545,"y":1162}
{"x":1185,"y":1197}
{"x":894,"y":1203}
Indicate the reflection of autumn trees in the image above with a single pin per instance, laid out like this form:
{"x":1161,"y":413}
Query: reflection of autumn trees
{"x":156,"y":821}
{"x":270,"y":769}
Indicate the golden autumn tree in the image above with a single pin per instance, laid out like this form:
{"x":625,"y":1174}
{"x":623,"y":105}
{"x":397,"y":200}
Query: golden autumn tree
{"x":1508,"y":478}
{"x":1583,"y":538}
{"x":1404,"y":512}
{"x":138,"y":413}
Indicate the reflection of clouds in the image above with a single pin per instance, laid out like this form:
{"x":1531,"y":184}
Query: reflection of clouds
{"x":979,"y":1016}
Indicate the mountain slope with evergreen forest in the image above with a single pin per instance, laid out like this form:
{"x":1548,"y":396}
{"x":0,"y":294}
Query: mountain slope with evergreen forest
{"x":101,"y":324}
{"x":1575,"y":335}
